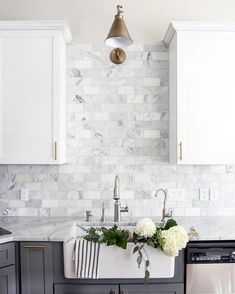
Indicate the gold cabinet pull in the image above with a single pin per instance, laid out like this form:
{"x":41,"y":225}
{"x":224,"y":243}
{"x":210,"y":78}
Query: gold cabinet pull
{"x":181,"y":151}
{"x":35,"y":246}
{"x":55,"y":151}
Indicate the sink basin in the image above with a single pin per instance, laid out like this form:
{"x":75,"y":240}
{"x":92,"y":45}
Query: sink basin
{"x":118,"y":263}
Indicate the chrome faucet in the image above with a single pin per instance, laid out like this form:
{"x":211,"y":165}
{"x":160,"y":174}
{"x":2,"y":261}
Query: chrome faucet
{"x":88,"y":215}
{"x":165,"y":214}
{"x":103,"y":217}
{"x":117,"y":204}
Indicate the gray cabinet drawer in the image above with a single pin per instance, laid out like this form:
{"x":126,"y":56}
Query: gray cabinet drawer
{"x":153,"y":289}
{"x":86,"y":289}
{"x":7,"y":254}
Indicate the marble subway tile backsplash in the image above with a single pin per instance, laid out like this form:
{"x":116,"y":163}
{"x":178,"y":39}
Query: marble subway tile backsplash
{"x":117,"y":123}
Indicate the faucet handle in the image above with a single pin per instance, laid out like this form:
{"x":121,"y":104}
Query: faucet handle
{"x":124,"y":209}
{"x":168,"y":214}
{"x":88,"y":215}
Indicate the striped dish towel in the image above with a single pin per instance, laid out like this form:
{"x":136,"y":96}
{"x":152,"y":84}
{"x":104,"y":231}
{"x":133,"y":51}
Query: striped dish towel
{"x":86,"y":259}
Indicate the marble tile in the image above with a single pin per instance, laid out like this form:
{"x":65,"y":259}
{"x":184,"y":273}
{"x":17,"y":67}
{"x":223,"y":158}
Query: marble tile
{"x":117,"y":123}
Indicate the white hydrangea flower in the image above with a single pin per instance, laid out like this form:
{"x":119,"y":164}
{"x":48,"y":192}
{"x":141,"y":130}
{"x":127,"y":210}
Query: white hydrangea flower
{"x":145,"y":228}
{"x":181,"y":237}
{"x":175,"y":239}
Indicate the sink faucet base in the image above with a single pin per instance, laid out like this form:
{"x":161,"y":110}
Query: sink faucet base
{"x":117,"y":204}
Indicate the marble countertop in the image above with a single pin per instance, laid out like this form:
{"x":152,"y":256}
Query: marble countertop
{"x":56,"y":228}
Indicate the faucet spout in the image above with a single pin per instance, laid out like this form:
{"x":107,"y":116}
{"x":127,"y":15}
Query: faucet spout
{"x":164,"y":213}
{"x":118,"y":209}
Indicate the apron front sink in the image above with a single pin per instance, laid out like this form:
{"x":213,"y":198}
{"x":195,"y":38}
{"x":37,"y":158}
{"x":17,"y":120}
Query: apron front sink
{"x":118,"y":263}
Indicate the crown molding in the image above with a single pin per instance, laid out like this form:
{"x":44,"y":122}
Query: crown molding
{"x":176,"y":26}
{"x":60,"y":25}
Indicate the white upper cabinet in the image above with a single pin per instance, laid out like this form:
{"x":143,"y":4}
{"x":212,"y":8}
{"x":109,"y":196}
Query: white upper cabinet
{"x":33,"y":92}
{"x":202,"y":92}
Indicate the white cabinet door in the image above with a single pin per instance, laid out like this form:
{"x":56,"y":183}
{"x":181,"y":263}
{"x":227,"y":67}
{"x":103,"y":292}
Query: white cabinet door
{"x":206,"y":97}
{"x":202,"y":96}
{"x":32,"y":97}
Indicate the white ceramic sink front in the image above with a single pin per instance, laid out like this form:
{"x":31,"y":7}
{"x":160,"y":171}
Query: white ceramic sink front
{"x":118,"y":263}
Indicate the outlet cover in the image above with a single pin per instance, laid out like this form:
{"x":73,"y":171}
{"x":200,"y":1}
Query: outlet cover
{"x":213,"y":194}
{"x":24,"y":194}
{"x":204,"y":194}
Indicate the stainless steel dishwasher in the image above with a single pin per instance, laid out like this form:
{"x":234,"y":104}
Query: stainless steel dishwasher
{"x":210,"y":268}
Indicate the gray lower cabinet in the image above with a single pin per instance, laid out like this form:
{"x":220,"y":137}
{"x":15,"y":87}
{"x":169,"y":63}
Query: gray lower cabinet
{"x":42,"y":272}
{"x":124,"y":289}
{"x":36,"y":268}
{"x":86,"y":289}
{"x":8,"y":280}
{"x":7,"y":254}
{"x":152,"y":289}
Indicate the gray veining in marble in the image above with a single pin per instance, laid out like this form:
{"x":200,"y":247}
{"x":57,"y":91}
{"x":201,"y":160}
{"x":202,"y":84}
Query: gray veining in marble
{"x":57,"y":228}
{"x":117,"y":123}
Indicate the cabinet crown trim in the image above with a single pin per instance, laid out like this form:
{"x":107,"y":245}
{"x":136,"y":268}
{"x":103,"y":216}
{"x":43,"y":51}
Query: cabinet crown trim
{"x":176,"y":26}
{"x":59,"y":25}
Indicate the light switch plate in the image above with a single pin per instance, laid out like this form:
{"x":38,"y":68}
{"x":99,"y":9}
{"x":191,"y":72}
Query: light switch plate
{"x":213,"y":194}
{"x":24,"y":194}
{"x":176,"y":194}
{"x":204,"y":194}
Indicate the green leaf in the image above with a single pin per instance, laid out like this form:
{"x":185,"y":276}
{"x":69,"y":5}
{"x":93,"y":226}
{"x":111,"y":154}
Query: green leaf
{"x":146,"y":277}
{"x":139,"y":260}
{"x":147,"y":263}
{"x":151,"y":243}
{"x":89,"y":238}
{"x":169,"y":224}
{"x":135,"y":237}
{"x":104,"y":230}
{"x":136,"y":249}
{"x":141,"y":246}
{"x":122,"y":244}
{"x":101,"y":239}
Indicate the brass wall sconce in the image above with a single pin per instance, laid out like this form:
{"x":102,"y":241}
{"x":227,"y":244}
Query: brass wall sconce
{"x":118,"y":37}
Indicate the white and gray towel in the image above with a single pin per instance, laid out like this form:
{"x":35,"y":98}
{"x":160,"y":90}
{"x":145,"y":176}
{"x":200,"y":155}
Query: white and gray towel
{"x":86,"y":259}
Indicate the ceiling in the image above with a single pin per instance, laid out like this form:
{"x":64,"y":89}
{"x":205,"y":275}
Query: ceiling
{"x":90,"y":20}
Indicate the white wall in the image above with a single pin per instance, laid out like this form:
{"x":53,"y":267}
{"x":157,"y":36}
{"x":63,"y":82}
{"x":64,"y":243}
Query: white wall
{"x":90,"y":20}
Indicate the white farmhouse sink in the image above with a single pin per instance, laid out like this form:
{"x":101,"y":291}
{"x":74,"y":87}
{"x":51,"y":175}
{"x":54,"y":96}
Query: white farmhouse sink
{"x":118,"y":263}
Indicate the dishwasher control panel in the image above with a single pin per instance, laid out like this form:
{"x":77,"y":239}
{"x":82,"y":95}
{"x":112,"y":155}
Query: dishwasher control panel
{"x":214,"y":252}
{"x":212,"y":257}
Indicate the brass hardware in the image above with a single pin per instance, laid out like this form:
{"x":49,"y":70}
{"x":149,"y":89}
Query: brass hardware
{"x":181,"y":151}
{"x":118,"y":37}
{"x":55,"y":151}
{"x":35,"y":246}
{"x":118,"y":33}
{"x":119,"y":11}
{"x":117,"y":56}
